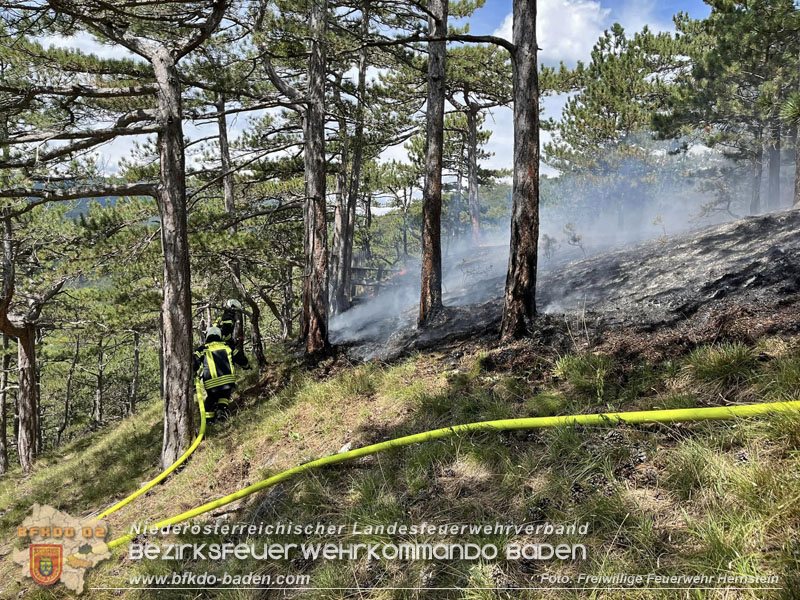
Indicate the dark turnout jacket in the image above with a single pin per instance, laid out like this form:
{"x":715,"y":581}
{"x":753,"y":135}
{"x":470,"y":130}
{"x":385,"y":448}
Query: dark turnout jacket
{"x":214,"y":363}
{"x":226,"y":323}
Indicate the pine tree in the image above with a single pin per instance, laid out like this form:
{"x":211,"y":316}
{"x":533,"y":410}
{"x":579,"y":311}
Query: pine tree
{"x":479,"y":78}
{"x":160,"y":35}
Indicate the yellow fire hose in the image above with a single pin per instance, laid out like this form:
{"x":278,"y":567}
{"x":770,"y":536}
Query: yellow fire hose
{"x":637,"y":417}
{"x":164,"y":474}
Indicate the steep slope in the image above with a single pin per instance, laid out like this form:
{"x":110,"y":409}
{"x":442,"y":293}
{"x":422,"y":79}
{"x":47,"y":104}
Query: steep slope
{"x":752,"y":263}
{"x":717,"y":497}
{"x":706,"y":497}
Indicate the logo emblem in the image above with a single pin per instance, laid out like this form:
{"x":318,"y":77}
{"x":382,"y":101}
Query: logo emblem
{"x":46,"y":563}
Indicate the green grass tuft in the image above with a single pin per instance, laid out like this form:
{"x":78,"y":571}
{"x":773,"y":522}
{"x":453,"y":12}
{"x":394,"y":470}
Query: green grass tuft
{"x":587,"y":374}
{"x":722,"y":366}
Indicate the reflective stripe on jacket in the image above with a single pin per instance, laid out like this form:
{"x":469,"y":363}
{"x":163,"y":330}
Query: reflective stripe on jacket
{"x":217,"y":365}
{"x":226,"y":323}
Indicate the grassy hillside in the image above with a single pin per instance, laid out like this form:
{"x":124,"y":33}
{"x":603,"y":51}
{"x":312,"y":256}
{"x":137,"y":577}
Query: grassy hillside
{"x":713,"y":497}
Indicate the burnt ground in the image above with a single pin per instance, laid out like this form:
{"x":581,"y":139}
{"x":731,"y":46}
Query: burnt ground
{"x":739,"y":280}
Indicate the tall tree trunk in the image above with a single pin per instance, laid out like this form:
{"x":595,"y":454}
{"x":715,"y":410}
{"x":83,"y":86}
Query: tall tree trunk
{"x":315,"y":301}
{"x":346,"y":266}
{"x":68,"y":392}
{"x":97,"y":404}
{"x":134,"y":395}
{"x":456,"y":206}
{"x":405,"y":232}
{"x":6,"y":361}
{"x":347,"y":285}
{"x":341,"y":220}
{"x":225,"y":156}
{"x":25,"y":422}
{"x":758,"y":169}
{"x":519,"y":306}
{"x":26,"y":400}
{"x":430,"y":300}
{"x":228,"y":193}
{"x":15,"y":424}
{"x":176,"y":307}
{"x":6,"y":365}
{"x":367,"y":238}
{"x":774,"y":181}
{"x":472,"y":174}
{"x":796,"y":201}
{"x":39,"y":420}
{"x":287,"y":304}
{"x":255,"y":318}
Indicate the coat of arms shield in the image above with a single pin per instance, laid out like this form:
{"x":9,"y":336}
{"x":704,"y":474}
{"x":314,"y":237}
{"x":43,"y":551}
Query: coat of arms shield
{"x":46,"y":563}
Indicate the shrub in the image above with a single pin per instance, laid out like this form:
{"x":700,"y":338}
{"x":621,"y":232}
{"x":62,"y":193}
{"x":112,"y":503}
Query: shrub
{"x":588,"y":374}
{"x":722,"y":366}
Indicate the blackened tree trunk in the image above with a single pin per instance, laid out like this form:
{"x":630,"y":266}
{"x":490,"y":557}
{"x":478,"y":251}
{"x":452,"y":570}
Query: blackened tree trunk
{"x":774,"y":181}
{"x":134,"y":395}
{"x":430,"y":301}
{"x":315,"y":302}
{"x":758,"y":169}
{"x":176,"y":310}
{"x":472,"y":173}
{"x":6,"y":365}
{"x":519,"y":306}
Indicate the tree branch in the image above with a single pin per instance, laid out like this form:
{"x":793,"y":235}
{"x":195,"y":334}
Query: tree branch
{"x":454,"y":37}
{"x":81,"y":91}
{"x":75,"y":193}
{"x":205,"y":30}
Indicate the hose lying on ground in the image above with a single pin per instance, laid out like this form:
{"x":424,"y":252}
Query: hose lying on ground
{"x":166,"y":472}
{"x":637,"y":417}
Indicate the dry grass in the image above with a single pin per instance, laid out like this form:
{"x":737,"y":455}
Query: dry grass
{"x":677,"y":499}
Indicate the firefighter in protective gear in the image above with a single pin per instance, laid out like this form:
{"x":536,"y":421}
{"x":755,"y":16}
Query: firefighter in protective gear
{"x":226,"y":322}
{"x":214,"y":364}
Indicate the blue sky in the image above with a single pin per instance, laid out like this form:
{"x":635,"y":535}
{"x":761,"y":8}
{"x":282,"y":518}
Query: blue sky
{"x":567,"y":30}
{"x":584,"y":18}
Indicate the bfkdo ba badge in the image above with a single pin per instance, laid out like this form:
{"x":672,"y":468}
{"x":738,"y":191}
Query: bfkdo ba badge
{"x":46,"y":563}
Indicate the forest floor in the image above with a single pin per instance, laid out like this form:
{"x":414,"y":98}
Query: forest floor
{"x":708,"y":497}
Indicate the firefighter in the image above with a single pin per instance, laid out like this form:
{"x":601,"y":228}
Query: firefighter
{"x":214,"y":364}
{"x":226,"y":322}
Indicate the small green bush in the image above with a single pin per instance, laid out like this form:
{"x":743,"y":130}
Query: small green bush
{"x":545,"y":404}
{"x":588,"y":374}
{"x":781,"y":381}
{"x":722,"y":366}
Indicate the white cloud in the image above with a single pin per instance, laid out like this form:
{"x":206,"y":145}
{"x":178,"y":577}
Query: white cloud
{"x":568,"y":29}
{"x":635,"y":14}
{"x":87,"y":44}
{"x":501,"y":144}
